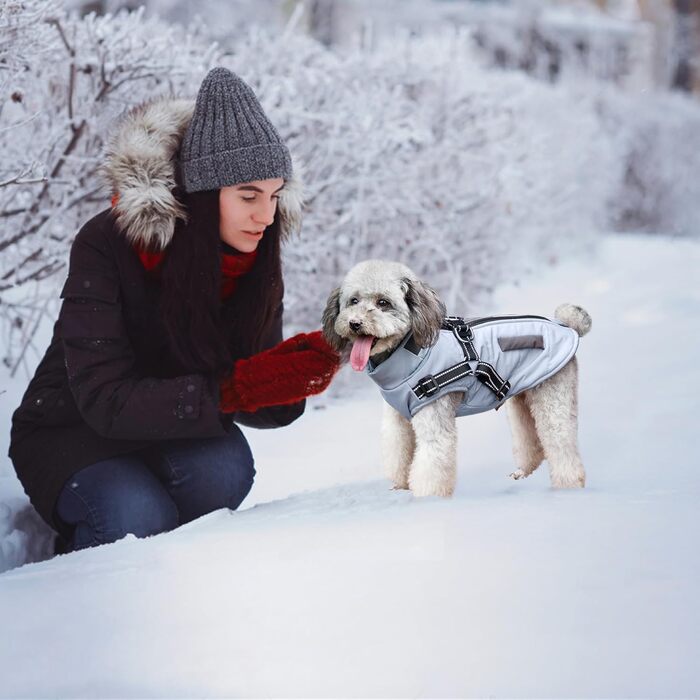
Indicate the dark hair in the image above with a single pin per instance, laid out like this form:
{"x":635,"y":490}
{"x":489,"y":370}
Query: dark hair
{"x":204,"y":333}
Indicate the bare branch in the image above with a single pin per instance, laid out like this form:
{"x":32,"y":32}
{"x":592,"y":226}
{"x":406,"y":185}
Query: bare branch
{"x":20,"y":180}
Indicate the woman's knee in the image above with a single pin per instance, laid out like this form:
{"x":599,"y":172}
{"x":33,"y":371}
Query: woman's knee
{"x":245,"y":471}
{"x":146,"y":510}
{"x":239,"y":469}
{"x":228,"y":475}
{"x":243,"y":478}
{"x":207,"y":475}
{"x":108,"y":500}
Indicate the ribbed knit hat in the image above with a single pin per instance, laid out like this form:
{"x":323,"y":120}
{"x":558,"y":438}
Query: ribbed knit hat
{"x":230,"y":139}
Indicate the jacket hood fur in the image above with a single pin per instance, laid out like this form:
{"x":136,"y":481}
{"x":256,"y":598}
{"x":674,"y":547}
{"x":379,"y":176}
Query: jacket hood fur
{"x":141,"y":168}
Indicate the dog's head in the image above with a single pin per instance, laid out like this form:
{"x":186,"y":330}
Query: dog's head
{"x":377,"y":304}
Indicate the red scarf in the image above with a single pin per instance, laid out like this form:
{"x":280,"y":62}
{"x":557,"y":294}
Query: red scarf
{"x":233,"y":266}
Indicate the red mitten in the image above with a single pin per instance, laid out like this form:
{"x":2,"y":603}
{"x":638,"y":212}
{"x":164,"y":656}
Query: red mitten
{"x":292,"y":370}
{"x":317,"y":342}
{"x":293,"y":344}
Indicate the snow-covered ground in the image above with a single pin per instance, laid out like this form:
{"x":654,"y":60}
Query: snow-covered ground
{"x":328,"y":583}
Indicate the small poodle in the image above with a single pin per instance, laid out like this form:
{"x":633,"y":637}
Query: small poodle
{"x":432,"y":368}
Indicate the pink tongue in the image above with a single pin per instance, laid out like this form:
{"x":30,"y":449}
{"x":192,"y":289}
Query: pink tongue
{"x":360,"y":352}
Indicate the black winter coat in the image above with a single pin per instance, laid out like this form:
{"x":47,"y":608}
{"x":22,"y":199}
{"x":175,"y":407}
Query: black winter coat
{"x":107,"y":384}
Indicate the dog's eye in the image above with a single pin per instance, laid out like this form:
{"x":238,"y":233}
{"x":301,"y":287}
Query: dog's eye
{"x":383,"y":304}
{"x":354,"y":300}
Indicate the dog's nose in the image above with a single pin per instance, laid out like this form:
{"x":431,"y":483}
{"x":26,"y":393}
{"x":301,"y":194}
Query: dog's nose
{"x":356,"y":325}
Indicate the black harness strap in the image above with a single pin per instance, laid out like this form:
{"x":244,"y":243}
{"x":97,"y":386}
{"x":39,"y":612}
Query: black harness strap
{"x":488,"y":376}
{"x":464,"y":334}
{"x":484,"y":372}
{"x":429,"y":384}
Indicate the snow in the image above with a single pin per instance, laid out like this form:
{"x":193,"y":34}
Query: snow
{"x":328,"y":583}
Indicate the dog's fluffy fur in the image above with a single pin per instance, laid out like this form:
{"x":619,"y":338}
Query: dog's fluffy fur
{"x":386,"y":300}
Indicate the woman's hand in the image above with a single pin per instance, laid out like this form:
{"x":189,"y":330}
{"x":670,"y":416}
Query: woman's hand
{"x":292,"y":370}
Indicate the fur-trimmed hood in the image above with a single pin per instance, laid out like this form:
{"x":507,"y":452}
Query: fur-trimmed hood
{"x":140,"y":167}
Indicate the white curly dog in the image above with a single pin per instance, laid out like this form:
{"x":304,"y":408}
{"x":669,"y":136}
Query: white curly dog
{"x":377,"y":308}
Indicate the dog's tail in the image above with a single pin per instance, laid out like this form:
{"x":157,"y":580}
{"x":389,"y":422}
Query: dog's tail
{"x":575,"y":317}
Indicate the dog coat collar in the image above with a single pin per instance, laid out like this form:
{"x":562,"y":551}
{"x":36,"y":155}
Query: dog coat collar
{"x":489,"y":359}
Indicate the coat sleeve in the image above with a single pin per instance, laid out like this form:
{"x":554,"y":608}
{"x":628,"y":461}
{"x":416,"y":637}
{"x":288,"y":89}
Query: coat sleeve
{"x":113,"y":399}
{"x":272,"y":416}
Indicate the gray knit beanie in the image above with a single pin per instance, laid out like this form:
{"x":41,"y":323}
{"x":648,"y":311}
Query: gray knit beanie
{"x":230,"y":139}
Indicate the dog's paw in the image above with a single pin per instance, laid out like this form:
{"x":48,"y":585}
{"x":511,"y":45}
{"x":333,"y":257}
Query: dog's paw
{"x":569,"y":481}
{"x":518,"y":474}
{"x":398,"y":479}
{"x":397,"y":473}
{"x":431,"y":487}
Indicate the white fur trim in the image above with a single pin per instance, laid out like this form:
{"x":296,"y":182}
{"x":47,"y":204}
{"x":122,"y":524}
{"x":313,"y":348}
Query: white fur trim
{"x":140,"y":168}
{"x":291,"y":203}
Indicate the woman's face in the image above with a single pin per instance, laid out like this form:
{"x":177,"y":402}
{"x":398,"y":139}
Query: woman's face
{"x":246,"y":210}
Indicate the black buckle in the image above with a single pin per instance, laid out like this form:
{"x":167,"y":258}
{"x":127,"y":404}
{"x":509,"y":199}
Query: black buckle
{"x":449,"y":322}
{"x":500,"y":393}
{"x":427,"y":386}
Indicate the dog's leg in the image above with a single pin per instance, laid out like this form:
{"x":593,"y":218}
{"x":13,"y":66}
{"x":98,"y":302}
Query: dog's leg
{"x":434,"y":467}
{"x":398,"y":444}
{"x":554,"y":406}
{"x":527,"y":448}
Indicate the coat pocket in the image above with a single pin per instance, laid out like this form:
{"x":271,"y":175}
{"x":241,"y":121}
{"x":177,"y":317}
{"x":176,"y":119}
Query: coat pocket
{"x":90,"y":308}
{"x":95,"y":287}
{"x":61,"y":410}
{"x":49,"y":407}
{"x":35,"y":404}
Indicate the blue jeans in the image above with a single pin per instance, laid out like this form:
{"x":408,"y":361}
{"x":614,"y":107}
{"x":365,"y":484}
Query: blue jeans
{"x":154,"y":490}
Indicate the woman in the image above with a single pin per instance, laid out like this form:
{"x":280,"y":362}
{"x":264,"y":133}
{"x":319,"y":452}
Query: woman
{"x":170,"y":331}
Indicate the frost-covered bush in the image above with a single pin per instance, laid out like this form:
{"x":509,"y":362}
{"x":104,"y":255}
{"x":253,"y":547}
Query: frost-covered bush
{"x":67,"y":79}
{"x":660,"y":189}
{"x":563,"y":42}
{"x":410,"y":151}
{"x":416,"y":153}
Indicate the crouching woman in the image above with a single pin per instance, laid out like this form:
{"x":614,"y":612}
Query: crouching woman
{"x":170,"y":331}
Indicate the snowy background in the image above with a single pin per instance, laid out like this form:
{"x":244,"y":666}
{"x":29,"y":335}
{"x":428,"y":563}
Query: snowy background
{"x":526,"y":188}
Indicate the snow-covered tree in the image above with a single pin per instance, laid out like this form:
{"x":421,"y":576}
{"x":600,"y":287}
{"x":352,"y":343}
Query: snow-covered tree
{"x":67,"y":79}
{"x":416,"y":153}
{"x":410,"y":149}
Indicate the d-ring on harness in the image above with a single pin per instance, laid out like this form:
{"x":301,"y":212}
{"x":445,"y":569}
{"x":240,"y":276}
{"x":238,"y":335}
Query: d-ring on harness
{"x":483,"y":371}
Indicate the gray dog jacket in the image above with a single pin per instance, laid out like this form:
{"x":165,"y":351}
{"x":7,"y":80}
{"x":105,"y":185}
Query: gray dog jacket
{"x":490,"y":359}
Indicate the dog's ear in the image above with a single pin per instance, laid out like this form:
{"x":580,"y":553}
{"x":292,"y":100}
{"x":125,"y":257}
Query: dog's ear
{"x":427,"y":311}
{"x":330,"y":314}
